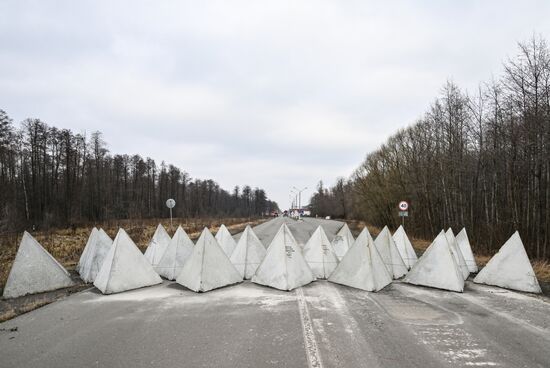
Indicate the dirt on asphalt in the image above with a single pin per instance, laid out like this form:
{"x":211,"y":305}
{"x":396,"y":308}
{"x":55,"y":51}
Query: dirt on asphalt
{"x":10,"y":308}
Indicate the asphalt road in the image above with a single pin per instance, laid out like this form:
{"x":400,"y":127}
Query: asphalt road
{"x":301,"y":230}
{"x":319,"y":325}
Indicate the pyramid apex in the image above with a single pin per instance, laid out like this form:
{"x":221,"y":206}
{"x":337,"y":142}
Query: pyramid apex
{"x":205,"y":232}
{"x":121,"y":232}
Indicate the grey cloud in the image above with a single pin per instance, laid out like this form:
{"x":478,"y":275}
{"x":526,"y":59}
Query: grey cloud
{"x":273,"y":94}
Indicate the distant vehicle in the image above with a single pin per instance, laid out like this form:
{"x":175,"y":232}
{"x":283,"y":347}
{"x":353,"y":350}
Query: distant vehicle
{"x":285,"y":213}
{"x":327,"y":218}
{"x":274,"y":214}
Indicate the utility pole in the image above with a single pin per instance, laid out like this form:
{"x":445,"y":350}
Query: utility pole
{"x":299,"y":191}
{"x":294,"y":200}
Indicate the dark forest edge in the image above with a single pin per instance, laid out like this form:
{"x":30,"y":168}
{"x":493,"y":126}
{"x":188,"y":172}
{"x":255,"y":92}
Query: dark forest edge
{"x":52,"y":177}
{"x":480,"y":161}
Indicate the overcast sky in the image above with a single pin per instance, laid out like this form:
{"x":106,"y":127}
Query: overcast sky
{"x":272,"y":94}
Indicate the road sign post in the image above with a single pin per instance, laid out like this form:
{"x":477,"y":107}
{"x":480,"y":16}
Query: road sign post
{"x":403,"y":211}
{"x":170,"y":203}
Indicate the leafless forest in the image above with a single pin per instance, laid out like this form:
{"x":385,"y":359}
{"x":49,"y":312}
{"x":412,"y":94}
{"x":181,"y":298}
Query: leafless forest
{"x":479,"y":159}
{"x":54,"y":177}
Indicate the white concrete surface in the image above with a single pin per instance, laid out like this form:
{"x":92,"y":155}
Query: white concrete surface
{"x":283,"y":266}
{"x":157,"y":245}
{"x":510,"y":268}
{"x":362,"y":267}
{"x":34,"y":270}
{"x":179,"y":250}
{"x":437,"y":267}
{"x":320,"y":255}
{"x":208,"y":267}
{"x":248,"y":253}
{"x":125,"y":267}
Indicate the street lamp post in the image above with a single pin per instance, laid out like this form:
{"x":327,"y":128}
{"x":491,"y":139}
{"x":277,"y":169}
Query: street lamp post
{"x":294,"y":202}
{"x":299,"y":199}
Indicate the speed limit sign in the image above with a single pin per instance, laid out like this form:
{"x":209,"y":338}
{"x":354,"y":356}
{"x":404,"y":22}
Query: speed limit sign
{"x":403,"y":206}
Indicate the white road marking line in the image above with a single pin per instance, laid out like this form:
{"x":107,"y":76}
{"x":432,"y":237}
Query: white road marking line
{"x":312,"y":352}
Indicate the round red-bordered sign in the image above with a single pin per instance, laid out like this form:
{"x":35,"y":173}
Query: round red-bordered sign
{"x":403,"y":206}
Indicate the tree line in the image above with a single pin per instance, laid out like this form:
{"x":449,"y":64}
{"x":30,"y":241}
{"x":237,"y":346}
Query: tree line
{"x":54,"y":177}
{"x":479,"y":160}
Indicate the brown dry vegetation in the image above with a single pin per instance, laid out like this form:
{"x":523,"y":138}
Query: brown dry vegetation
{"x":66,"y":245}
{"x":14,"y":312}
{"x":10,"y":308}
{"x":542,"y":270}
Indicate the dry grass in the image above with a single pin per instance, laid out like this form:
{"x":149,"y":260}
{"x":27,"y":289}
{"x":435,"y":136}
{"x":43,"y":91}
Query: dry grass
{"x":420,"y":245}
{"x":24,"y":308}
{"x":66,"y":245}
{"x":542,"y":270}
{"x":481,"y":260}
{"x":356,"y":227}
{"x":9,"y":314}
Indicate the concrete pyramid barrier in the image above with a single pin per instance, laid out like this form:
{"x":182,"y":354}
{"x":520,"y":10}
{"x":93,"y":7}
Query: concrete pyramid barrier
{"x":404,"y":247}
{"x":510,"y":268}
{"x":437,"y":268}
{"x":226,"y":241}
{"x":208,"y":267}
{"x":176,"y":254}
{"x":362,"y":267}
{"x":345,"y":231}
{"x":34,"y":271}
{"x":94,"y":253}
{"x":125,"y":268}
{"x":283,"y":267}
{"x":466,"y":250}
{"x":157,"y":245}
{"x":390,"y":254}
{"x":341,"y":244}
{"x":343,"y":240}
{"x":248,"y":253}
{"x":92,"y":239}
{"x":459,"y":257}
{"x":320,"y":255}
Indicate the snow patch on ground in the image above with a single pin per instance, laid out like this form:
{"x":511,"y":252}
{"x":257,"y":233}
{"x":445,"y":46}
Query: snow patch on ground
{"x":323,"y":295}
{"x":481,"y":364}
{"x":508,"y":293}
{"x":173,"y":293}
{"x":138,"y":295}
{"x":456,"y":345}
